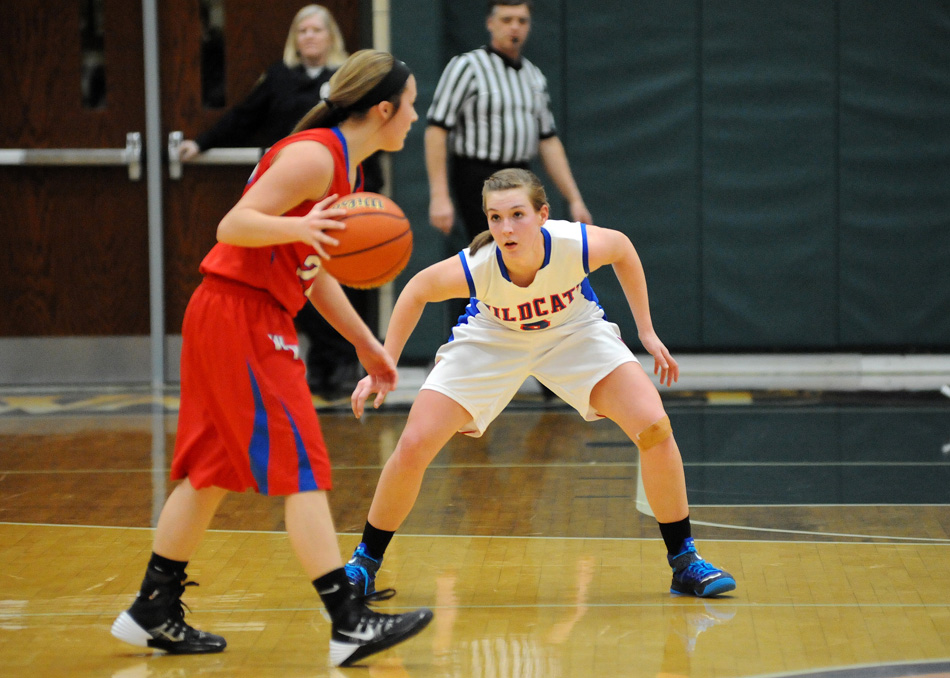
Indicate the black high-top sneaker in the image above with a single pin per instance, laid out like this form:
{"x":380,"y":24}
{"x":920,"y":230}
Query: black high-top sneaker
{"x":157,"y":619}
{"x":368,"y":632}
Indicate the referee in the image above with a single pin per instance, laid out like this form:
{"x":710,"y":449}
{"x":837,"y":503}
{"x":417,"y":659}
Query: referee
{"x":491,"y":111}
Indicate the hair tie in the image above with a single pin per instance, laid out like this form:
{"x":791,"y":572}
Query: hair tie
{"x":335,"y":113}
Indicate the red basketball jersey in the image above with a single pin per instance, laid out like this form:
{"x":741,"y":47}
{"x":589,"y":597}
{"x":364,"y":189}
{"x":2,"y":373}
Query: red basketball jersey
{"x":285,"y":271}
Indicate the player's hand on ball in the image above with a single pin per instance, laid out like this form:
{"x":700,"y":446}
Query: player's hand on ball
{"x":663,"y":362}
{"x":319,"y":220}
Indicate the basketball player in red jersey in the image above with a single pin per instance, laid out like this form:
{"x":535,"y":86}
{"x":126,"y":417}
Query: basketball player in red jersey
{"x":247,"y":420}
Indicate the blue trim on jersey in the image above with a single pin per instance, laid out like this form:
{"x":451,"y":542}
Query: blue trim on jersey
{"x":258,"y":449}
{"x":471,"y":310}
{"x":584,"y":257}
{"x":547,"y":256}
{"x":305,"y":477}
{"x":346,"y":151}
{"x":468,"y":275}
{"x":253,"y":174}
{"x":587,"y":291}
{"x":501,"y":264}
{"x":547,"y":247}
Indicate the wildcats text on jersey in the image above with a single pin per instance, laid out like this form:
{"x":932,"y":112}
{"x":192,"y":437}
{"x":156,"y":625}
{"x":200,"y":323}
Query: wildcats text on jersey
{"x":536,"y":308}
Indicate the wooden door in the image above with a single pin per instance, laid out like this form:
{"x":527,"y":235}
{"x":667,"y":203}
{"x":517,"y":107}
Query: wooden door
{"x":74,"y":239}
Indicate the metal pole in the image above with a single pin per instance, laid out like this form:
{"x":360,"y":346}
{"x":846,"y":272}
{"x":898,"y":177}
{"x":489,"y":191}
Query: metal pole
{"x":153,"y":158}
{"x":382,"y":41}
{"x":156,"y":272}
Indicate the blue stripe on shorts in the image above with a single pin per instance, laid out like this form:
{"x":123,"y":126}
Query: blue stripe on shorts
{"x":259,"y":448}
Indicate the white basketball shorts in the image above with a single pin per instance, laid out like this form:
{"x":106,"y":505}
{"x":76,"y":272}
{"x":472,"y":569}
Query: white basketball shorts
{"x":483,"y":367}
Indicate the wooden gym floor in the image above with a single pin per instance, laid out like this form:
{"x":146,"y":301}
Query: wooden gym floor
{"x":832,"y":510}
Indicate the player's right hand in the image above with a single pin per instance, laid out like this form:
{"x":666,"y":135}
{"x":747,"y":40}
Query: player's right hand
{"x":317,"y":221}
{"x":364,"y":388}
{"x":382,"y":376}
{"x":441,"y":214}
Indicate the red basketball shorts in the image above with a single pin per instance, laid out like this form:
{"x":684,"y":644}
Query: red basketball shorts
{"x":246,"y":419}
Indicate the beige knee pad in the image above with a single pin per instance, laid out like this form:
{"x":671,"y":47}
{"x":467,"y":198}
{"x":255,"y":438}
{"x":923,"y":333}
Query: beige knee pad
{"x":654,"y":434}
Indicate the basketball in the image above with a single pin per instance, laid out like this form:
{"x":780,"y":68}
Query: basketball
{"x":376,"y":244}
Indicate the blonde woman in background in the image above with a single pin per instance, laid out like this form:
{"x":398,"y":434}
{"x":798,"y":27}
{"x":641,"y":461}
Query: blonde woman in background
{"x":285,"y":91}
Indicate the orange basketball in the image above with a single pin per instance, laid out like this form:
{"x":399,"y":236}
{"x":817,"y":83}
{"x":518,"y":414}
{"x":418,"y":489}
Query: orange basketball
{"x":375,"y":245}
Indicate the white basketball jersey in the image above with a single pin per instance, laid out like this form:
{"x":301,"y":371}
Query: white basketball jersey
{"x":559,"y":293}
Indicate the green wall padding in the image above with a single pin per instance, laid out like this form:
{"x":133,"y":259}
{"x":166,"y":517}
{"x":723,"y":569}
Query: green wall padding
{"x":768,"y":157}
{"x":782,"y":168}
{"x":895,"y":174}
{"x":632,"y":130}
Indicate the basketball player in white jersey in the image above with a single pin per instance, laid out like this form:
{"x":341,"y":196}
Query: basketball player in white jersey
{"x":533,"y":313}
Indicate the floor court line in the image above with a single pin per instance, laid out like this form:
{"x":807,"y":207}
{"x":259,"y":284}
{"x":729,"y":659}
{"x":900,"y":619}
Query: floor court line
{"x":661,"y":605}
{"x":910,"y":669}
{"x":580,"y":465}
{"x":902,"y":541}
{"x":816,"y":533}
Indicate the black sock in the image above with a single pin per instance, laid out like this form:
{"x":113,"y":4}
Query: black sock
{"x":674,"y":534}
{"x":162,"y":565}
{"x":376,"y":541}
{"x":337,"y":596}
{"x":150,"y":607}
{"x":161,"y":571}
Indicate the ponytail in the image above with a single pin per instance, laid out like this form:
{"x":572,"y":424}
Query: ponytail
{"x":365,"y":79}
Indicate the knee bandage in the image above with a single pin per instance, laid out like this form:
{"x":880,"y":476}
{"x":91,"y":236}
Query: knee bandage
{"x":654,"y":434}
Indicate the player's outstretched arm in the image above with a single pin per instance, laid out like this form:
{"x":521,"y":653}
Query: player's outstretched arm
{"x":607,"y":246}
{"x":441,"y":281}
{"x":329,"y":299}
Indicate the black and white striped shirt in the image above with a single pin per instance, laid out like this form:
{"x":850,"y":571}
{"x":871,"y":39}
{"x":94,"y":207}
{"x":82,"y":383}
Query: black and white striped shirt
{"x":494,"y":109}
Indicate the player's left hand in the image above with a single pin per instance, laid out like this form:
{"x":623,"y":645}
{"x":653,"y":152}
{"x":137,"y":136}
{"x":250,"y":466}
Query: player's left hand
{"x":663,"y":362}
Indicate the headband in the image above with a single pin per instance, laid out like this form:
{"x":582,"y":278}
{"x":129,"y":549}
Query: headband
{"x":391,"y":83}
{"x":388,"y":85}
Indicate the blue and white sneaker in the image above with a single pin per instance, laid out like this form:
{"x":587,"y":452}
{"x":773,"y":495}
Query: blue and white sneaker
{"x":361,"y":571}
{"x":694,"y":576}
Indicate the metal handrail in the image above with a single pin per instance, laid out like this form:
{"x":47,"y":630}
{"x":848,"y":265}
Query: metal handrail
{"x":214,"y":156}
{"x":130,"y":156}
